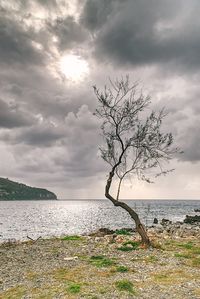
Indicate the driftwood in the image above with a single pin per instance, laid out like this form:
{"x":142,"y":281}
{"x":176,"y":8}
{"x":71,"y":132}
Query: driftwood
{"x":33,"y":239}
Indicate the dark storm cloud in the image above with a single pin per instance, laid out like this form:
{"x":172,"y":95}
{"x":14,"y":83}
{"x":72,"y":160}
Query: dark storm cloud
{"x":81,"y":143}
{"x":40,"y":136}
{"x":191,"y":143}
{"x":146,"y":32}
{"x":48,"y":120}
{"x":96,"y":13}
{"x":51,"y":3}
{"x":182,"y":120}
{"x":68,"y":32}
{"x":11,"y":116}
{"x":16,"y":44}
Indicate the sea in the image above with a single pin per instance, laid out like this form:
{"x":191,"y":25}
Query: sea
{"x":22,"y":220}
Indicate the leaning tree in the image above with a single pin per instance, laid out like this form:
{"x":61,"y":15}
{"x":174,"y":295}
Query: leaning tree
{"x":134,"y":142}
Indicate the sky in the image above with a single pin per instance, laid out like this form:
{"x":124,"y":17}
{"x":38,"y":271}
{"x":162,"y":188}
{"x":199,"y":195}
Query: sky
{"x":51,"y":54}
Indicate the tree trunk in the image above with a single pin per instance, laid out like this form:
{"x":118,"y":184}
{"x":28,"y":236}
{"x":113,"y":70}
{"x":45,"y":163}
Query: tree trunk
{"x":139,"y":226}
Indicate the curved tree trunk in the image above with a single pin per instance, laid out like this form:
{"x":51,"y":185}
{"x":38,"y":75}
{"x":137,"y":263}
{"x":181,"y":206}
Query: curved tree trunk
{"x":139,"y":226}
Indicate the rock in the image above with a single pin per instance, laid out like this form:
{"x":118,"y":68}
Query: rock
{"x":197,"y":210}
{"x":159,"y":228}
{"x":97,"y":239}
{"x":71,"y":258}
{"x":119,"y":239}
{"x":191,"y":219}
{"x":102,"y":232}
{"x":165,"y":222}
{"x":109,"y":238}
{"x":106,"y":231}
{"x":155,"y":221}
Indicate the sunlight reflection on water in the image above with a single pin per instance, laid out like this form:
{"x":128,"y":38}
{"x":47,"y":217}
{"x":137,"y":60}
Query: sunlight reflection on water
{"x":19,"y":219}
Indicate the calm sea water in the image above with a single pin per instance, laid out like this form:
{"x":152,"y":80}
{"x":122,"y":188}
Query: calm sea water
{"x":19,"y":219}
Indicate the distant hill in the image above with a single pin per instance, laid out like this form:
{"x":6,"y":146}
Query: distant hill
{"x":10,"y":190}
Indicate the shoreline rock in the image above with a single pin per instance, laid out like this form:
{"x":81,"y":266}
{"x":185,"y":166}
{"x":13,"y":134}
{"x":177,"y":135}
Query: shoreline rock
{"x":192,"y":219}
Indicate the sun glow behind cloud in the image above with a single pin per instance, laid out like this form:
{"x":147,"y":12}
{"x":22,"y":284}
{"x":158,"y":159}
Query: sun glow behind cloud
{"x":74,"y":67}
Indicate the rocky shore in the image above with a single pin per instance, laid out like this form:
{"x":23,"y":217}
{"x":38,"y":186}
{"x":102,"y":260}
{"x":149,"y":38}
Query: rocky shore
{"x":105,"y":264}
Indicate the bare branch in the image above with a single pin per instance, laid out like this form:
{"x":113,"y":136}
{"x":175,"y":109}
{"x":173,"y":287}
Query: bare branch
{"x":133,"y":144}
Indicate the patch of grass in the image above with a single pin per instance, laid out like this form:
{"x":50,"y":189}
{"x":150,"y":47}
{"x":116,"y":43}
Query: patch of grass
{"x":74,"y":288}
{"x":60,"y":273}
{"x":157,"y":245}
{"x":103,"y":290}
{"x":82,"y":257}
{"x":122,"y":232}
{"x":188,"y":245}
{"x":161,"y":277}
{"x":125,"y":248}
{"x":196,"y":262}
{"x":171,"y":277}
{"x":129,"y":245}
{"x":16,"y":292}
{"x":31,"y":275}
{"x":44,"y":294}
{"x":196,"y":250}
{"x":125,"y":285}
{"x":122,"y":269}
{"x":151,"y":259}
{"x":170,"y":242}
{"x":71,"y":238}
{"x":183,"y":255}
{"x":170,"y":245}
{"x":67,"y":274}
{"x":101,"y":261}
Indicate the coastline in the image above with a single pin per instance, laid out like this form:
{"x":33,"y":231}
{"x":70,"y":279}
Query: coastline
{"x":49,"y":218}
{"x":93,"y":266}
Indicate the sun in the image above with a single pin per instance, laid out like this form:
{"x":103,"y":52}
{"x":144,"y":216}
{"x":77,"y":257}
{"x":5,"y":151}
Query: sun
{"x":74,"y":67}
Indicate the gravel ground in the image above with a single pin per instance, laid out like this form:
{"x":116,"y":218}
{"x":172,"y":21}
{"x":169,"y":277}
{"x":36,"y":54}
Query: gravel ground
{"x":95,"y":267}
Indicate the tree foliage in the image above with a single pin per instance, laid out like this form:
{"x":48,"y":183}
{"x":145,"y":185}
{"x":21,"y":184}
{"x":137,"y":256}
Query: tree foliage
{"x":134,"y":142}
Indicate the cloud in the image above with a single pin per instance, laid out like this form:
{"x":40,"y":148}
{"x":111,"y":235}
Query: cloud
{"x":48,"y":119}
{"x":16,"y":45}
{"x":96,"y":13}
{"x":145,"y":33}
{"x":69,"y":33}
{"x":12,"y":116}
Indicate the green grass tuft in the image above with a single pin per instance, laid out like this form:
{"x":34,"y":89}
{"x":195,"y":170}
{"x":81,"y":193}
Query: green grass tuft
{"x":188,"y":245}
{"x":129,"y":245}
{"x":74,"y":288}
{"x":183,"y":255}
{"x":196,"y":250}
{"x":122,"y":232}
{"x":125,"y":285}
{"x":122,"y":269}
{"x":101,"y":261}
